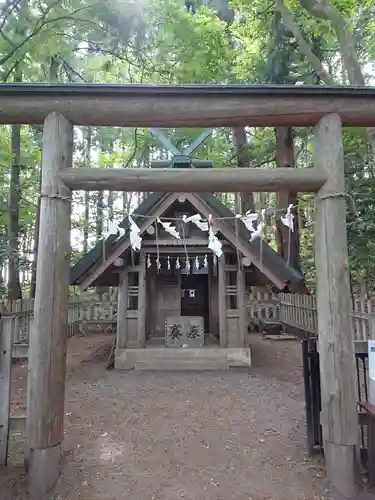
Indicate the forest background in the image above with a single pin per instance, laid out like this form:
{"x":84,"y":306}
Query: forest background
{"x":291,"y":42}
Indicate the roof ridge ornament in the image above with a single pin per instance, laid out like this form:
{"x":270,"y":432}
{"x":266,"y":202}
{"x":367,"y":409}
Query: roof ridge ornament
{"x":181,"y":159}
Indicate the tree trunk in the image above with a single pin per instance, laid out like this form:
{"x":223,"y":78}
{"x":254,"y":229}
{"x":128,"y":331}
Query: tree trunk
{"x":86,"y":222}
{"x":124,"y":203}
{"x":110,"y":205}
{"x":25,"y":254}
{"x":14,"y":285}
{"x":2,"y":282}
{"x":99,"y":215}
{"x":99,"y":231}
{"x":36,"y":243}
{"x":243,"y":161}
{"x":287,"y":241}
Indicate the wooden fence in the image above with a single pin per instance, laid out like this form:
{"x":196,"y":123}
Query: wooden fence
{"x":79,"y":315}
{"x":260,"y":306}
{"x":294,"y":312}
{"x":299,"y":312}
{"x":263,"y":307}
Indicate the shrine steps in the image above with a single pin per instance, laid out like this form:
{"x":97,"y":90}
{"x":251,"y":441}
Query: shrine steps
{"x":182,"y":359}
{"x":187,"y":362}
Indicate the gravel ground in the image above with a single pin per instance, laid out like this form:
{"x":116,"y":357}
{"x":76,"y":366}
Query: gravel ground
{"x":166,"y":436}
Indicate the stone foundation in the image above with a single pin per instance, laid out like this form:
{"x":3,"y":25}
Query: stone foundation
{"x":203,"y":358}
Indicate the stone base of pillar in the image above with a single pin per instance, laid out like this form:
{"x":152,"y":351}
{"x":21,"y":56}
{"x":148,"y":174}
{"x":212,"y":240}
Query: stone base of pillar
{"x":44,"y":466}
{"x":341,"y":468}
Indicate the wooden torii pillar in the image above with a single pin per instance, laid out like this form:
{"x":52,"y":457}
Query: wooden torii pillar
{"x":336,"y":341}
{"x":47,"y":350}
{"x":48,"y":340}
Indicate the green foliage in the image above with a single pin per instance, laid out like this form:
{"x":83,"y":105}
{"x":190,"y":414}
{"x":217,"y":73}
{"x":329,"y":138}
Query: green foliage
{"x":360,"y":178}
{"x":161,"y":42}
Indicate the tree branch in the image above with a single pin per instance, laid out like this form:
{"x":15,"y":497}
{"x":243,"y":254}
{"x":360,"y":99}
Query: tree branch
{"x":11,"y":5}
{"x":323,"y":9}
{"x":135,"y":150}
{"x":10,"y":71}
{"x":69,"y":69}
{"x":37,"y":28}
{"x":303,"y":44}
{"x":7,"y":10}
{"x":41,"y":23}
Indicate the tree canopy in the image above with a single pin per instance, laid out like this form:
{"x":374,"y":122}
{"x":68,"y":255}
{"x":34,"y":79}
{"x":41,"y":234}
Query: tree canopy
{"x":170,"y":41}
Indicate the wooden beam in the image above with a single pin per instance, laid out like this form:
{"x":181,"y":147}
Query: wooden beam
{"x":141,"y":333}
{"x":242,"y":307}
{"x":47,"y":351}
{"x":186,"y":106}
{"x":122,"y":309}
{"x":336,"y":347}
{"x":222,"y":305}
{"x":170,"y":180}
{"x":171,"y":243}
{"x":124,"y":245}
{"x":193,"y":249}
{"x":6,"y":340}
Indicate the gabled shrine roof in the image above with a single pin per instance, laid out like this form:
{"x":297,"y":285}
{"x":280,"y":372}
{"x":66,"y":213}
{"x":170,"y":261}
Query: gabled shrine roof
{"x":261,"y":251}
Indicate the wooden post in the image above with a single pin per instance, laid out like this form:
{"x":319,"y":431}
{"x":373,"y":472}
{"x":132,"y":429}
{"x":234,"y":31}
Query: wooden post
{"x":336,"y":347}
{"x":141,"y":335}
{"x":222,"y":304}
{"x":122,"y":309}
{"x":6,"y":342}
{"x":47,"y":351}
{"x":242,"y":307}
{"x":370,"y":417}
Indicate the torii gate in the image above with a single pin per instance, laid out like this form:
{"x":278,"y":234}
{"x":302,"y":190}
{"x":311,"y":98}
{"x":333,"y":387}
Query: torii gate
{"x":61,"y":106}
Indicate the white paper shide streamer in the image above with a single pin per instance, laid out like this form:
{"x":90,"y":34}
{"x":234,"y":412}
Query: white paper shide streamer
{"x":170,"y":229}
{"x":254,"y":222}
{"x":288,"y":218}
{"x":250,"y":219}
{"x":197,"y":220}
{"x":214,"y":243}
{"x":134,"y":235}
{"x":113,"y":229}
